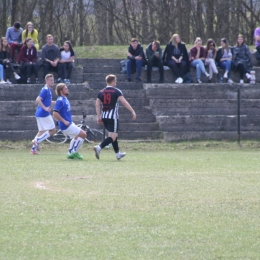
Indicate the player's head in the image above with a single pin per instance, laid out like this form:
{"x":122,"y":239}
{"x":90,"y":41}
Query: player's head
{"x":49,"y":79}
{"x":111,"y":80}
{"x":61,"y":90}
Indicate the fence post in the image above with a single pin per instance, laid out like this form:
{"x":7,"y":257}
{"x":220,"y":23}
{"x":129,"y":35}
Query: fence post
{"x":238,"y":115}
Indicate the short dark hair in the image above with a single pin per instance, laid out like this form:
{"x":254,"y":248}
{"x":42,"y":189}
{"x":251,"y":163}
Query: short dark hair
{"x":17,"y":25}
{"x":156,"y":43}
{"x":134,"y":40}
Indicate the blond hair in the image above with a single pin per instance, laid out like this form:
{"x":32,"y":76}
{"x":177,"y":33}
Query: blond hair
{"x":173,"y":39}
{"x":59,"y":88}
{"x":110,"y":78}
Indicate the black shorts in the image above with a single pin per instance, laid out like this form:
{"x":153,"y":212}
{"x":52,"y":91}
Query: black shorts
{"x":111,"y":125}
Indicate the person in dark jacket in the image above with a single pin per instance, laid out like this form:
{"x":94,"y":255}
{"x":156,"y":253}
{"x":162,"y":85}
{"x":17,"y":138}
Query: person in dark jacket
{"x":176,"y":57}
{"x":28,"y":58}
{"x":154,"y":59}
{"x":224,"y":58}
{"x":242,"y":58}
{"x":136,"y":59}
{"x":5,"y":60}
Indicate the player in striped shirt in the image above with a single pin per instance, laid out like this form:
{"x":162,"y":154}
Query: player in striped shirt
{"x":109,"y":98}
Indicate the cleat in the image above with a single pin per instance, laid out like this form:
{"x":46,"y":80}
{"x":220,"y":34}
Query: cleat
{"x":70,"y":156}
{"x":34,"y":151}
{"x":77,"y":156}
{"x":120,"y":155}
{"x":97,"y":150}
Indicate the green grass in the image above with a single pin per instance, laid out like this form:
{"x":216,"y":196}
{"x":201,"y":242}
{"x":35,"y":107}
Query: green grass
{"x":195,"y":200}
{"x":111,"y":52}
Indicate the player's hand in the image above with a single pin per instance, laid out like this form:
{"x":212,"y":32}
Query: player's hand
{"x":99,"y":121}
{"x":67,"y":123}
{"x":48,"y":109}
{"x":134,"y":115}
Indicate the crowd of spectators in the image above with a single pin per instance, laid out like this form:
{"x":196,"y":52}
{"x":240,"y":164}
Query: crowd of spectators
{"x":26,"y":43}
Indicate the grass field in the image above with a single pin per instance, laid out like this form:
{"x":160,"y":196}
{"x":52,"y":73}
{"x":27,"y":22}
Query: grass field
{"x":162,"y":201}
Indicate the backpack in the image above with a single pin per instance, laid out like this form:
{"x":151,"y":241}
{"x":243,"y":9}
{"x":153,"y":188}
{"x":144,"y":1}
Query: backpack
{"x":123,"y":66}
{"x":187,"y":78}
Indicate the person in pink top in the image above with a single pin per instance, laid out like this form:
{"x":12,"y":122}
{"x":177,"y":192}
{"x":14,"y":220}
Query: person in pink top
{"x":257,"y":43}
{"x":29,"y":58}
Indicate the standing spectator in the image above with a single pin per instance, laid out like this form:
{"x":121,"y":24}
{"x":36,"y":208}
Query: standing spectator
{"x":242,"y":58}
{"x":29,"y":58}
{"x":14,"y":37}
{"x":62,"y":112}
{"x":211,"y":53}
{"x":32,"y":33}
{"x":50,"y":55}
{"x":45,"y":123}
{"x":176,"y":57}
{"x":65,"y":64}
{"x":154,"y":59}
{"x":109,"y":98}
{"x":224,"y":58}
{"x":5,"y":60}
{"x":197,"y":58}
{"x":136,"y":59}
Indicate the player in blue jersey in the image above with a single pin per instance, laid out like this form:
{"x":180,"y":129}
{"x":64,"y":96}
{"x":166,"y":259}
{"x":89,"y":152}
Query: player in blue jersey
{"x":45,"y":123}
{"x":109,"y":98}
{"x":62,"y":112}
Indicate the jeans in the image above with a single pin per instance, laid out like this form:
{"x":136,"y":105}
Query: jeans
{"x":199,"y":65}
{"x":132,"y":64}
{"x":1,"y":72}
{"x":29,"y":67}
{"x":154,"y":63}
{"x":226,"y":64}
{"x":212,"y":67}
{"x":46,"y":67}
{"x":13,"y":47}
{"x":64,"y":70}
{"x":178,"y":69}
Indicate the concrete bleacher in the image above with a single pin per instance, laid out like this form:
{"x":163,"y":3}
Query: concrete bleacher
{"x":168,"y":111}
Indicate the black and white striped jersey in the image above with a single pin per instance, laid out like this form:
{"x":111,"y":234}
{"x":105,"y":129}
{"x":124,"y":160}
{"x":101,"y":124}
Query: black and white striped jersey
{"x":110,"y":103}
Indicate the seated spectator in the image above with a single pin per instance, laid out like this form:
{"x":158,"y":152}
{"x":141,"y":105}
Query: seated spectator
{"x":211,"y":53}
{"x":176,"y":57}
{"x":242,"y":58}
{"x":5,"y":60}
{"x":197,"y":58}
{"x":50,"y":55}
{"x":257,"y":43}
{"x":65,"y":64}
{"x":29,"y":58}
{"x":154,"y":59}
{"x":14,"y":37}
{"x":136,"y":59}
{"x":2,"y":74}
{"x":224,"y":58}
{"x":32,"y":33}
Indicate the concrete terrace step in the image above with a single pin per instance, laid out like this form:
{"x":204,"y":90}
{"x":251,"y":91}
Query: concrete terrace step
{"x":202,"y":91}
{"x":203,"y":106}
{"x":208,"y":123}
{"x":121,"y":85}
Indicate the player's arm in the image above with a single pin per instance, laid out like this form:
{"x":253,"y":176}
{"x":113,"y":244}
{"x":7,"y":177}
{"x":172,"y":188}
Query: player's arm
{"x":97,"y":105}
{"x":53,"y":103}
{"x":57,"y":115}
{"x":127,"y":106}
{"x":39,"y":102}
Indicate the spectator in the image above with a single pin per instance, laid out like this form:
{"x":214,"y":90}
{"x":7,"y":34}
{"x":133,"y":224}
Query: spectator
{"x":65,"y":64}
{"x":14,"y":37}
{"x":154,"y":59}
{"x":197,"y":58}
{"x":257,"y":43}
{"x":211,"y":53}
{"x":29,"y":58}
{"x":50,"y":55}
{"x":242,"y":58}
{"x":176,"y":57}
{"x":32,"y":33}
{"x":136,"y":59}
{"x":224,"y":58}
{"x":5,"y":60}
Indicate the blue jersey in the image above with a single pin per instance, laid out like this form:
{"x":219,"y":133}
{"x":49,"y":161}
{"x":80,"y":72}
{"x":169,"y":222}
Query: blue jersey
{"x":46,"y":97}
{"x":62,"y":106}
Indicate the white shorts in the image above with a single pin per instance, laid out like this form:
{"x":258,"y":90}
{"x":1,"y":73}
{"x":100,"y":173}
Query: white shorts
{"x":72,"y":130}
{"x":45,"y":123}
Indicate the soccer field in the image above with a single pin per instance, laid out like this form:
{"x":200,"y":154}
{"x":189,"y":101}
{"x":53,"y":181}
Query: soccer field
{"x":162,"y":201}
